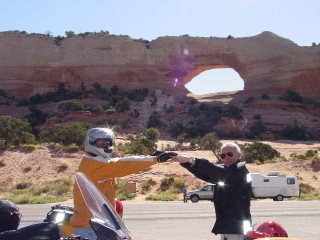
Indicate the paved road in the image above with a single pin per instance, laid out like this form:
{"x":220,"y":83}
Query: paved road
{"x":181,"y":221}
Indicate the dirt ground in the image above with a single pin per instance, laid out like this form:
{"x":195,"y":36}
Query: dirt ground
{"x":44,"y":164}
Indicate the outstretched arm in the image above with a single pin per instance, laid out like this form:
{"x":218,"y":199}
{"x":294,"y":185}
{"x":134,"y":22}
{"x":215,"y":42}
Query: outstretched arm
{"x":201,"y":168}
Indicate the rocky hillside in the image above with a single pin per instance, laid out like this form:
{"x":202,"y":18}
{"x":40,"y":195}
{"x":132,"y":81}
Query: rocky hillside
{"x":36,"y":64}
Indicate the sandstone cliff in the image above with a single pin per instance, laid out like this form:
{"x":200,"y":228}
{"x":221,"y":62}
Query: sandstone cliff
{"x":34,"y":63}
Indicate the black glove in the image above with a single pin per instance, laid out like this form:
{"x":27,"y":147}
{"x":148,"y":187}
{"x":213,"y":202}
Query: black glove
{"x":156,"y":153}
{"x":165,"y":156}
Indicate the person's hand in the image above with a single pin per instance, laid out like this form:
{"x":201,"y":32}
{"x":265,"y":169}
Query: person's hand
{"x":165,"y":156}
{"x":182,"y":159}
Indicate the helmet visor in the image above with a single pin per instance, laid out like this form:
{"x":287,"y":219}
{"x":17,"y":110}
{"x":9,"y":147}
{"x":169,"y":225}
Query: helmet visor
{"x":103,"y":143}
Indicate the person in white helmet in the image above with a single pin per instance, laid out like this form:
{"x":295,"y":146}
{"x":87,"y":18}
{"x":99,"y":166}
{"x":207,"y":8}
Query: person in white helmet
{"x":102,"y":170}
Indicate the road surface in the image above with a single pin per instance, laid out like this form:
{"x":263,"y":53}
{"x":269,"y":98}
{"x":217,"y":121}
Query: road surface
{"x":181,"y":221}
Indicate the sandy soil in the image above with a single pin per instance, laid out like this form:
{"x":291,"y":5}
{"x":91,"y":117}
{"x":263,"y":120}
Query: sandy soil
{"x":43,"y":164}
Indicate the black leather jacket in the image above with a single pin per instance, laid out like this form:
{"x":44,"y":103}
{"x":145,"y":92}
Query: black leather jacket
{"x":232,"y":193}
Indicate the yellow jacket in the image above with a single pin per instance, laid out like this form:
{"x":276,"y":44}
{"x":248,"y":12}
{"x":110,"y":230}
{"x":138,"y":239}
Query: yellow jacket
{"x":102,"y":172}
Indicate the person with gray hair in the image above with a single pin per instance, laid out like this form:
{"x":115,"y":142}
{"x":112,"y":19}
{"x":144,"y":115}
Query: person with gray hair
{"x":232,"y":190}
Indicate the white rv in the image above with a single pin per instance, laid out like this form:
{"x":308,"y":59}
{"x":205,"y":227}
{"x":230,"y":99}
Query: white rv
{"x":274,"y":185}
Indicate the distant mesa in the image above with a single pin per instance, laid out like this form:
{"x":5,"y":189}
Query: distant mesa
{"x":267,"y":63}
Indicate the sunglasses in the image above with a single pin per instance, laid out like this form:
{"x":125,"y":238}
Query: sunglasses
{"x":223,"y":155}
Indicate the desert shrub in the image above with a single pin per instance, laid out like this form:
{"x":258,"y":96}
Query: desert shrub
{"x":71,"y":106}
{"x":154,"y":120}
{"x":295,"y":156}
{"x":69,"y":34}
{"x":98,"y":89}
{"x":58,"y":39}
{"x":27,"y":168}
{"x":257,"y":117}
{"x":53,"y":191}
{"x":306,"y":188}
{"x":165,"y":183}
{"x":162,"y":196}
{"x":123,"y":105}
{"x":311,"y":153}
{"x":36,"y":116}
{"x":63,"y":166}
{"x":121,"y":193}
{"x":233,"y":112}
{"x":2,"y":161}
{"x":292,"y":96}
{"x":29,"y":147}
{"x":204,"y":107}
{"x":152,"y":134}
{"x":15,"y":131}
{"x":235,"y":134}
{"x":193,"y":111}
{"x":177,"y":129}
{"x":265,"y":96}
{"x":95,"y":109}
{"x":146,"y":185}
{"x":179,"y":183}
{"x":72,"y":148}
{"x":72,"y":133}
{"x":295,"y":132}
{"x":249,"y":100}
{"x":137,"y":95}
{"x":258,"y":151}
{"x":258,"y":128}
{"x":114,"y":90}
{"x":22,"y":185}
{"x":138,"y":146}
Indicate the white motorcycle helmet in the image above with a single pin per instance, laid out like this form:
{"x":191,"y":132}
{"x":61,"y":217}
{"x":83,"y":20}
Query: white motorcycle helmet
{"x":90,"y":142}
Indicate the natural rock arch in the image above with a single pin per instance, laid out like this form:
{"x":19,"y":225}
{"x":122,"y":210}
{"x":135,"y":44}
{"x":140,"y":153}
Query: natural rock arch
{"x":267,"y":63}
{"x":216,"y":79}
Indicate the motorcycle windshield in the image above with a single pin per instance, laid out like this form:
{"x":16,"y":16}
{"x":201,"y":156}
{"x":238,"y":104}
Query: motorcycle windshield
{"x":99,"y":206}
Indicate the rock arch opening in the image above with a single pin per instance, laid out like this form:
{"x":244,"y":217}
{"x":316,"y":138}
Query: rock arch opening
{"x":215,"y":80}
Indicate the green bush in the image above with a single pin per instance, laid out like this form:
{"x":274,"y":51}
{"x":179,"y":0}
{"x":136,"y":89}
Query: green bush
{"x":154,"y":120}
{"x":137,"y":95}
{"x":146,"y":185}
{"x":258,"y":128}
{"x":68,"y":134}
{"x":152,"y":134}
{"x":36,"y":116}
{"x":233,"y":112}
{"x":71,"y":106}
{"x":292,"y":96}
{"x":166,"y":183}
{"x":258,"y":151}
{"x":22,"y":185}
{"x":63,"y":166}
{"x":311,"y":153}
{"x":15,"y":131}
{"x":138,"y":146}
{"x":179,"y":183}
{"x":296,"y":132}
{"x":162,"y":196}
{"x":121,"y":190}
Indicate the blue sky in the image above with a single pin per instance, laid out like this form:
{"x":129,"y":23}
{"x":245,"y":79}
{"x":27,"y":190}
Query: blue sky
{"x":297,"y":20}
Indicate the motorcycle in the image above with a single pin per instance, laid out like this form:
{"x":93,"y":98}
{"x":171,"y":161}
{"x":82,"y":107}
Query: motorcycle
{"x":106,"y":222}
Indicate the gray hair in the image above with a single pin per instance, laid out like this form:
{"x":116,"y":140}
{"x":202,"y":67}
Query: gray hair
{"x":233,"y":145}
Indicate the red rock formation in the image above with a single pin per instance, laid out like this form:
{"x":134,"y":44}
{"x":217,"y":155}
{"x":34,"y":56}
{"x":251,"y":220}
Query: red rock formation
{"x":31,"y":64}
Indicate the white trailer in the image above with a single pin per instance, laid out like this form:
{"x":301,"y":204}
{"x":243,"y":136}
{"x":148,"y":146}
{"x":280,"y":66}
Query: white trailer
{"x":274,"y":185}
